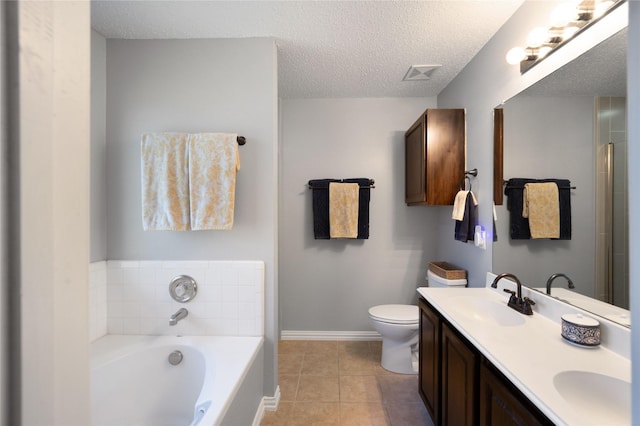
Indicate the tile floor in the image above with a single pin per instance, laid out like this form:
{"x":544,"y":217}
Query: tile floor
{"x":342,"y":383}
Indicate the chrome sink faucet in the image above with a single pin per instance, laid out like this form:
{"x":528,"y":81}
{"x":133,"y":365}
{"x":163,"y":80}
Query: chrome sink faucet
{"x":180,"y":314}
{"x":554,"y":276}
{"x":515,"y":301}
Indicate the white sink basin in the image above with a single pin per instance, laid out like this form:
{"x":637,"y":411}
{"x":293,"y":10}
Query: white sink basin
{"x":488,"y":311}
{"x":602,"y":399}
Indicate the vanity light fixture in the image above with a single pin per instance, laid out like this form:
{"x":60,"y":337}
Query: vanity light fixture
{"x":567,"y":20}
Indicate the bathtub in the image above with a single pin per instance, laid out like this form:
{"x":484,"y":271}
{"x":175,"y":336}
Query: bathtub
{"x":133,"y":382}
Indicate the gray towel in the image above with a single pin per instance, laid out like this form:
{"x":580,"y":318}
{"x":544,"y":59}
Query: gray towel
{"x":465,"y":228}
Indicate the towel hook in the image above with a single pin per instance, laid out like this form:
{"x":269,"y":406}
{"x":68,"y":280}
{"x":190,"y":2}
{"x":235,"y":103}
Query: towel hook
{"x":467,"y":173}
{"x":463,"y":187}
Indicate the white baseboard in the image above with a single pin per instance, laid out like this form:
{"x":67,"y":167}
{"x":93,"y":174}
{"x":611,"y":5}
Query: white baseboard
{"x":268,"y":403}
{"x":271,"y":402}
{"x":329,"y":335}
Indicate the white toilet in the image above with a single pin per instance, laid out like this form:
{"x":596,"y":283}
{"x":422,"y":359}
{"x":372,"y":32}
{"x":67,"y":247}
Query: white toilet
{"x":398,"y":326}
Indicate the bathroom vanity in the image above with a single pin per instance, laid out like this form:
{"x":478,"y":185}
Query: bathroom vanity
{"x":458,"y":384}
{"x":482,"y":362}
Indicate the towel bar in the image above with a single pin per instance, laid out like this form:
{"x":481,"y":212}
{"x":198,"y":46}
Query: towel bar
{"x":522,"y":187}
{"x":241,"y":140}
{"x":371,"y":185}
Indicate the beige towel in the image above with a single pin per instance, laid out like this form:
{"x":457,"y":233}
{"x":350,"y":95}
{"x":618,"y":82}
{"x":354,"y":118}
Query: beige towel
{"x":165,"y":182}
{"x":459,"y":204}
{"x":213,"y":162}
{"x":541,"y":205}
{"x":343,"y":209}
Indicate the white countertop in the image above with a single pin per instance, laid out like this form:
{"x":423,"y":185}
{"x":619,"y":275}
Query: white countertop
{"x":529,"y":351}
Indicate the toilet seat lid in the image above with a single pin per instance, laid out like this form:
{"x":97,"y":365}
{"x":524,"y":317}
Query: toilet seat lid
{"x":398,"y":314}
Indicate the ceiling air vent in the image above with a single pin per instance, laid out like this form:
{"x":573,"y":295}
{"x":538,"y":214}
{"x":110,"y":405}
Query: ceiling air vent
{"x":420,"y":72}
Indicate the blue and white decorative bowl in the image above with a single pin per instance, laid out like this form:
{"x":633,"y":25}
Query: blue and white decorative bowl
{"x":581,"y":330}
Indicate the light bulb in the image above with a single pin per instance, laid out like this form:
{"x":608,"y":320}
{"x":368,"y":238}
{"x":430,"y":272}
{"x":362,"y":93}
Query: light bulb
{"x":601,"y":8}
{"x":537,"y":37}
{"x":563,"y":14}
{"x":515,"y":55}
{"x":543,"y":51}
{"x":568,"y":32}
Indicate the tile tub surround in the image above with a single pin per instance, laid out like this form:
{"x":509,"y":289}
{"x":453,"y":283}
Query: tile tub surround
{"x":229,"y":302}
{"x":97,"y":300}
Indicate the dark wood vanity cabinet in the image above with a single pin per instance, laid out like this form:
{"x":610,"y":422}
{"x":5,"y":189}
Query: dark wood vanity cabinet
{"x":448,"y":371}
{"x":429,"y":360}
{"x":461,"y":387}
{"x":435,"y":157}
{"x":459,"y":379}
{"x":502,"y":404}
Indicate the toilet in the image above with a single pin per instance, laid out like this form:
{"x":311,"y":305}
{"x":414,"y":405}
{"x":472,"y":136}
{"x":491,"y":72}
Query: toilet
{"x":398,"y":326}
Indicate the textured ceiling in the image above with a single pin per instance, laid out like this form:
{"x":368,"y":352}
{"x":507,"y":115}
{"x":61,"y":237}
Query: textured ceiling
{"x":328,"y":48}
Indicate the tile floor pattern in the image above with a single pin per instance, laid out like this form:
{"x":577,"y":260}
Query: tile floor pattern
{"x":342,"y":383}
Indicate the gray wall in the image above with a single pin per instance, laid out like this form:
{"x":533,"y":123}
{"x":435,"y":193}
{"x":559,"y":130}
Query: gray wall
{"x":98,"y":196}
{"x":328,"y":285}
{"x":481,"y":86}
{"x":486,"y":82}
{"x":4,"y":263}
{"x":542,"y":140}
{"x":196,"y":86}
{"x":633,"y":105}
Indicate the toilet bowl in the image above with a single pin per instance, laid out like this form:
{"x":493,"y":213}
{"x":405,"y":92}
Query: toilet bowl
{"x":398,"y":326}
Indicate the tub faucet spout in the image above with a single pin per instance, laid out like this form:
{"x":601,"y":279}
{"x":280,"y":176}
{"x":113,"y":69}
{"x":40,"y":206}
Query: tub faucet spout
{"x":181,"y":314}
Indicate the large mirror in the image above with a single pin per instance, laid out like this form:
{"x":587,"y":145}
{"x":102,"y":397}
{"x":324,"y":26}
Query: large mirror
{"x":572,"y":125}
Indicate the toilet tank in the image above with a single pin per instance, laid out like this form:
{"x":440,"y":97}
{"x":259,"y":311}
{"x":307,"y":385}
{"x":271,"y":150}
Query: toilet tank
{"x":437,"y":281}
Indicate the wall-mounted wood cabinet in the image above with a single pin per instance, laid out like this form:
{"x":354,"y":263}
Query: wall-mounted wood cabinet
{"x":435,"y":157}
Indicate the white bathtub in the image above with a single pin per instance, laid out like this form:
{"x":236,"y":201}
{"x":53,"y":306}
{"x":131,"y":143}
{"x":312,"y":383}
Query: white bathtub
{"x":133,"y":383}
